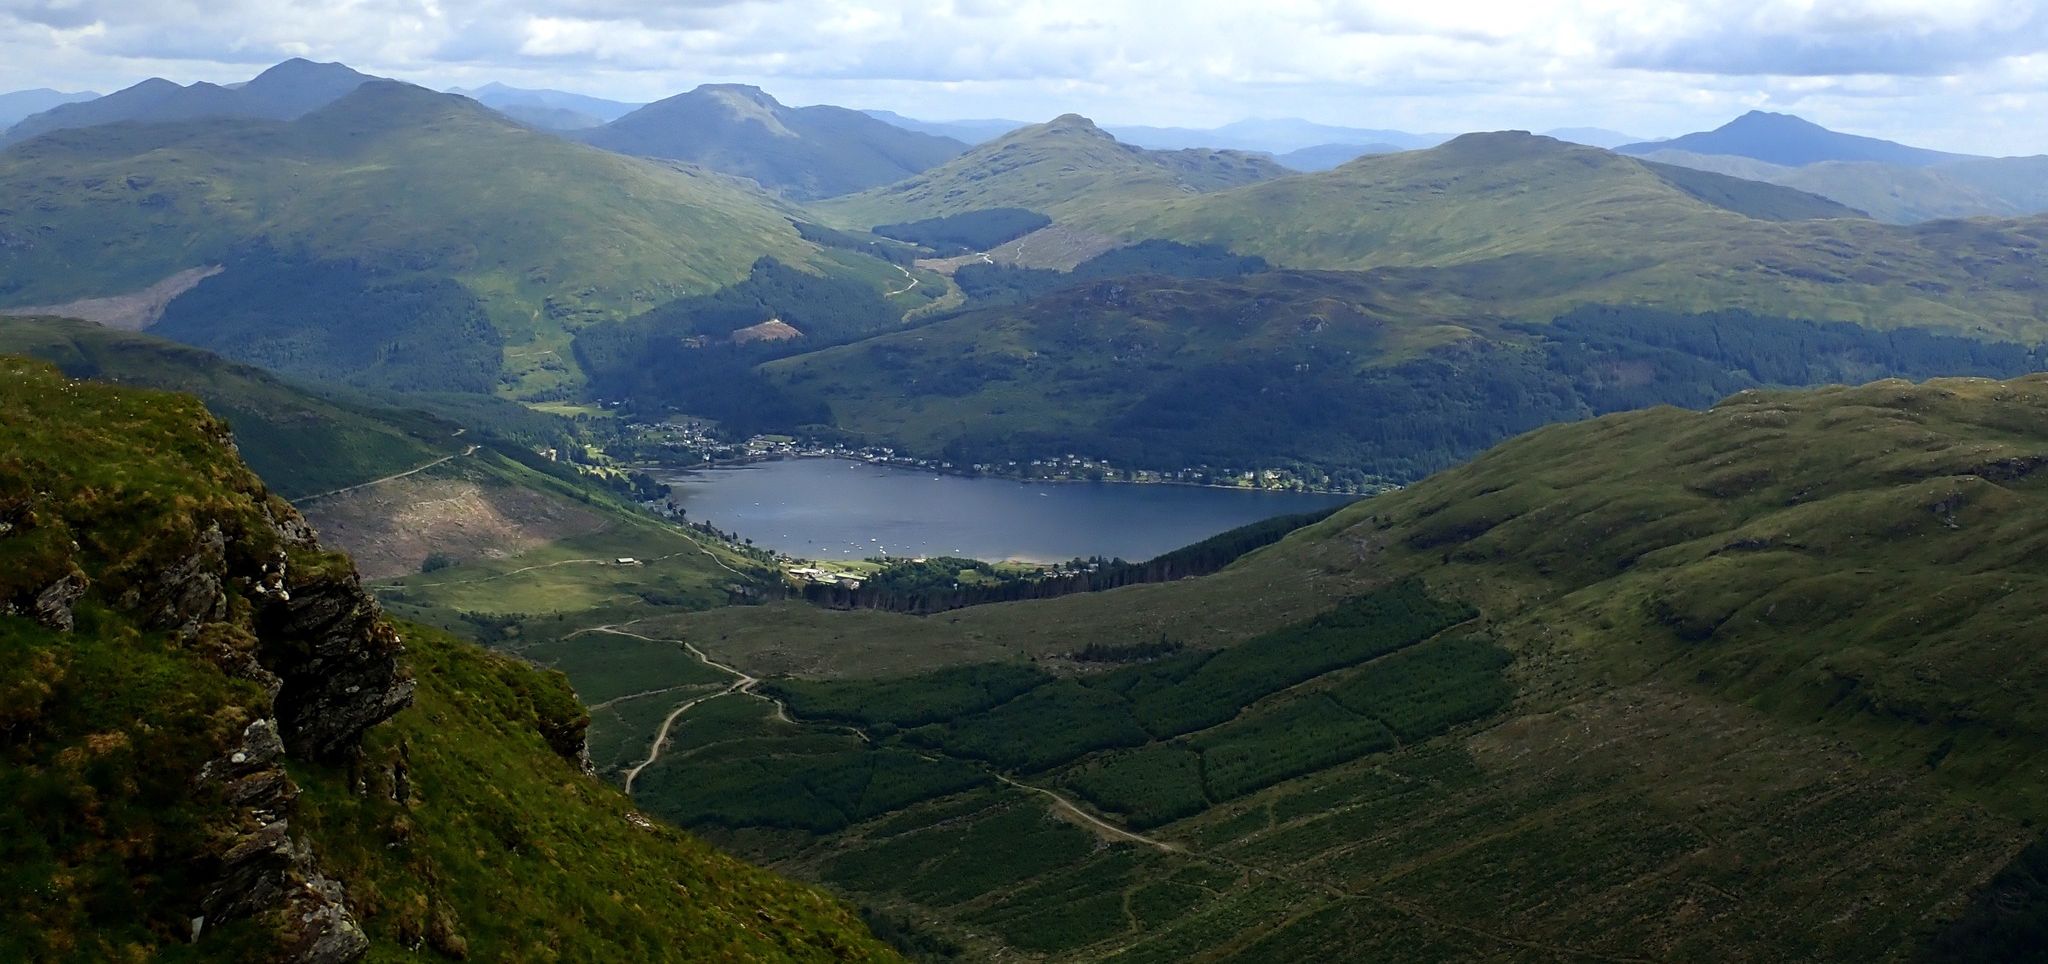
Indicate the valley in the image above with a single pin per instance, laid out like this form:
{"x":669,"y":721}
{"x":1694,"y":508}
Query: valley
{"x":515,"y":524}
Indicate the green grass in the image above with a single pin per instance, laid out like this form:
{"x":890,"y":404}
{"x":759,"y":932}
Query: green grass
{"x":518,"y":856}
{"x":1768,"y":661}
{"x":299,"y":441}
{"x":1062,"y":169}
{"x":462,"y":826}
{"x":606,"y":666}
{"x":400,"y":177}
{"x":914,"y":701}
{"x":1547,"y":225}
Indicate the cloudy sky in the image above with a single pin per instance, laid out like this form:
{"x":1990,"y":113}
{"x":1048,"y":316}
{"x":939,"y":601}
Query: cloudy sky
{"x":1967,"y":75}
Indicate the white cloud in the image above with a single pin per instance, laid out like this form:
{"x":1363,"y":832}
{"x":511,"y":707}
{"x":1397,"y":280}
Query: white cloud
{"x":1962,"y":74}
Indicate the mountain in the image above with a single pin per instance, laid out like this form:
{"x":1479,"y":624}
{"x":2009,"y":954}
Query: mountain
{"x":1355,"y":380}
{"x":803,"y":152}
{"x":1060,"y":168}
{"x":286,"y":91}
{"x":1792,"y":142}
{"x":1323,"y":157}
{"x":1591,"y":136}
{"x":395,"y":204}
{"x":551,"y":118}
{"x":1604,"y":670}
{"x":1898,"y":194}
{"x":19,"y":104}
{"x":561,"y":103}
{"x":227,"y":751}
{"x":1747,"y":168}
{"x":964,"y":131}
{"x":1272,"y":136}
{"x":1545,"y":226}
{"x":299,"y":442}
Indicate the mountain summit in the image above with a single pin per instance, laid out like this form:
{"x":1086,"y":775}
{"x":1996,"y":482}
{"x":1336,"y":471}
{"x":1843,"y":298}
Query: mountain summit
{"x":1792,"y":142}
{"x":284,"y":92}
{"x":803,"y":152}
{"x":1064,"y":167}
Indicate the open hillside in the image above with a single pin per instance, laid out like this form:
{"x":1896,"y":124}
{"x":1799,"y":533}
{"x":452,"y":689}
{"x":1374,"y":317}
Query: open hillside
{"x":1900,"y":194}
{"x":427,"y":482}
{"x":228,"y":752}
{"x":803,"y":152}
{"x":1063,"y":169}
{"x":289,"y":90}
{"x":1538,"y":226}
{"x":299,"y":442}
{"x":1752,"y":682}
{"x":1353,"y":379}
{"x":392,"y":195}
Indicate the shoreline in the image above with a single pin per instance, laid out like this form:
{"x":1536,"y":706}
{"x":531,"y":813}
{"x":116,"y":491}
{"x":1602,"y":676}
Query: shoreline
{"x":956,"y":473}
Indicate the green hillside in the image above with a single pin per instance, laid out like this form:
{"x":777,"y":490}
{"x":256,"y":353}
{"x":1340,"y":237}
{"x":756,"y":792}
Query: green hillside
{"x":402,"y":182}
{"x":1980,"y":187}
{"x":1751,"y":683}
{"x":1541,"y":226}
{"x":197,"y":697}
{"x":802,"y":152}
{"x":298,"y":441}
{"x":1065,"y":168}
{"x":1351,"y":379}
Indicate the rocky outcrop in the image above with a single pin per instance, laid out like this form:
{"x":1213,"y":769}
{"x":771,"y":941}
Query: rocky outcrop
{"x":262,"y":872}
{"x":337,"y":660}
{"x":184,"y":543}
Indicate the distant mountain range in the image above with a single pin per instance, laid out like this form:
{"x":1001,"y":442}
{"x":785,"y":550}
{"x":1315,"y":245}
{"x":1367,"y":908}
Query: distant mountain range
{"x":284,"y":92}
{"x":548,"y":109}
{"x":1325,"y":156}
{"x":964,"y":131}
{"x":1890,"y":181}
{"x":1273,"y":136}
{"x":803,"y":152}
{"x":1296,"y":144}
{"x":1793,"y":142}
{"x":20,"y":104}
{"x":1591,"y":136}
{"x":1065,"y":167}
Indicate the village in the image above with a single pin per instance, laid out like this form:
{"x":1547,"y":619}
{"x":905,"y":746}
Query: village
{"x":688,"y":442}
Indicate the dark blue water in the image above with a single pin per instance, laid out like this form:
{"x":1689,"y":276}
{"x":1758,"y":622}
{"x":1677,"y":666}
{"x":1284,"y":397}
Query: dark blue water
{"x":833,"y":509}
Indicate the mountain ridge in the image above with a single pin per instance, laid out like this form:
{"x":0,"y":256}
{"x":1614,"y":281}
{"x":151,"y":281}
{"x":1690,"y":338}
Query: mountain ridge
{"x":283,"y":92}
{"x":1793,"y":142}
{"x":804,"y":152}
{"x":1059,"y":168}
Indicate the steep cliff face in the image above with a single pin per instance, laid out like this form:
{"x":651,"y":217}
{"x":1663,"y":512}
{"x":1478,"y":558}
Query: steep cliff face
{"x":126,"y":516}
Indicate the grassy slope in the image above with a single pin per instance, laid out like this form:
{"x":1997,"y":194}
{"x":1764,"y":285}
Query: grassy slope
{"x":1796,"y":617}
{"x":1540,"y":226}
{"x":1075,"y":359}
{"x":1064,"y":168}
{"x":503,"y":850}
{"x":547,"y":232}
{"x":1985,"y":187}
{"x":803,"y":152}
{"x":299,"y":442}
{"x":511,"y":851}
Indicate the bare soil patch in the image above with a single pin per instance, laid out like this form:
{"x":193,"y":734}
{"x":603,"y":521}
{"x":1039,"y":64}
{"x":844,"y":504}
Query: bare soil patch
{"x":130,"y":312}
{"x":392,"y":527}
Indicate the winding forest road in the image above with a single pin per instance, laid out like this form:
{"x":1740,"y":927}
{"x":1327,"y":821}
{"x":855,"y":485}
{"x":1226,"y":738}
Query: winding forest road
{"x":301,"y":500}
{"x":744,"y":684}
{"x":906,"y":288}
